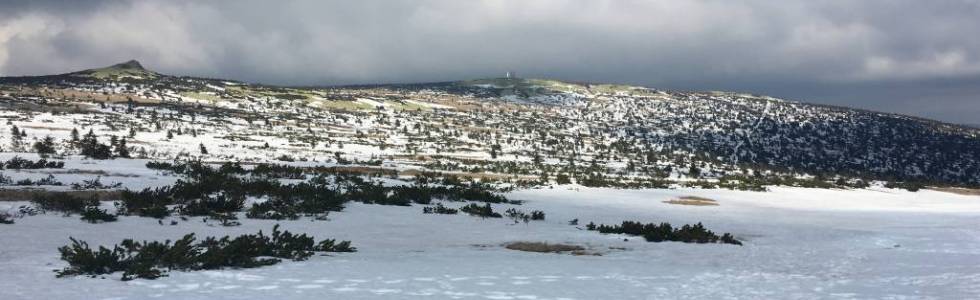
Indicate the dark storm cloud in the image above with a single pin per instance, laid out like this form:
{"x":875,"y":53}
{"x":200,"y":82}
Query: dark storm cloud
{"x":913,"y":57}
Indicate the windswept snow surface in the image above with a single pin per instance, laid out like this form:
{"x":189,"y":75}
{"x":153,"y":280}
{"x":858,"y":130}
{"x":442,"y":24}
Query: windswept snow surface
{"x":799,"y":244}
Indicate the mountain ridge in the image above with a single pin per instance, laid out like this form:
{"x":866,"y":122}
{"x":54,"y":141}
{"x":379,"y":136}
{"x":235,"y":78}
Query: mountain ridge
{"x":581,"y":129}
{"x":136,"y":67}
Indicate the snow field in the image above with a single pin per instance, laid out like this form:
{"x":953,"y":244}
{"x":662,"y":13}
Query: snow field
{"x":799,"y":244}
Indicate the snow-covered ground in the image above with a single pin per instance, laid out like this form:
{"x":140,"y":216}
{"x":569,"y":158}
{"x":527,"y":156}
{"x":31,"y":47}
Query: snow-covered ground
{"x":799,"y":244}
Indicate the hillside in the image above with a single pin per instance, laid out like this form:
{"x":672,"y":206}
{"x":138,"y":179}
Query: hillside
{"x":522,"y":129}
{"x":127,"y":183}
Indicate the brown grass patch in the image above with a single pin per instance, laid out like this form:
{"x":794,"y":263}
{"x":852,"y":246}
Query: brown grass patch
{"x":29,"y":193}
{"x":51,"y":128}
{"x":494,"y":176}
{"x":693,"y":200}
{"x":542,"y":247}
{"x":363,"y":170}
{"x":84,"y":172}
{"x":958,"y":191}
{"x":416,"y":157}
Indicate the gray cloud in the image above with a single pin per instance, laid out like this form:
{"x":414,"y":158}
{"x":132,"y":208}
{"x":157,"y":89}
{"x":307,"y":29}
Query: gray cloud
{"x":855,"y":53}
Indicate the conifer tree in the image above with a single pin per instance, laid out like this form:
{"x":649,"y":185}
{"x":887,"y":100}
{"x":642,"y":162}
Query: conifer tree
{"x":74,"y":137}
{"x":16,"y":140}
{"x":90,"y":147}
{"x":44,"y":147}
{"x":122,"y":150}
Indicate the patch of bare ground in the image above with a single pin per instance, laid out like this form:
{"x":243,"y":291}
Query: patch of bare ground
{"x":542,"y":247}
{"x":363,"y":170}
{"x":28,"y":193}
{"x":50,"y":128}
{"x":83,"y":172}
{"x":958,"y":191}
{"x":693,"y":200}
{"x":417,"y":157}
{"x":470,"y":175}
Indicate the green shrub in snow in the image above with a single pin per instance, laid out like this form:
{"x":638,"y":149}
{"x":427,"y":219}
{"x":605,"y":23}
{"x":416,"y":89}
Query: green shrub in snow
{"x":6,"y":218}
{"x":150,"y":260}
{"x":484,"y":211}
{"x":439,"y":209}
{"x":665,"y":232}
{"x":93,"y":214}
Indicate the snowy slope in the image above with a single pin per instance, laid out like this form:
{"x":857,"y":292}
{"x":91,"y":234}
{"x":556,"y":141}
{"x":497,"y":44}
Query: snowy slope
{"x":569,"y":125}
{"x":866,"y":243}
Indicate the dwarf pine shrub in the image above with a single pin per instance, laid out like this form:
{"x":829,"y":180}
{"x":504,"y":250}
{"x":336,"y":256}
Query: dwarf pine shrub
{"x":665,"y":232}
{"x":6,"y":218}
{"x":483,"y":211}
{"x":93,"y":214}
{"x":149,"y":260}
{"x":439,"y":209}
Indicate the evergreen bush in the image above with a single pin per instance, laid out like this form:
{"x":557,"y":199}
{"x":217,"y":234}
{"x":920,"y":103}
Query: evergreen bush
{"x":6,"y":218}
{"x":484,"y":211}
{"x":439,"y":209}
{"x":149,"y":202}
{"x":19,"y":163}
{"x":150,"y":260}
{"x":665,"y":232}
{"x":93,"y":214}
{"x":217,"y":204}
{"x":518,"y":215}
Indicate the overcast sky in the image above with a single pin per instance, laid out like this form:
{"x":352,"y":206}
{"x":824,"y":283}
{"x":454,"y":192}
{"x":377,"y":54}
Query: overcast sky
{"x":914,"y":57}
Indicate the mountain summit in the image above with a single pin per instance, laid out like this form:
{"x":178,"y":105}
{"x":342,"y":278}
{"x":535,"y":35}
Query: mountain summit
{"x":131,"y":64}
{"x":131,"y":69}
